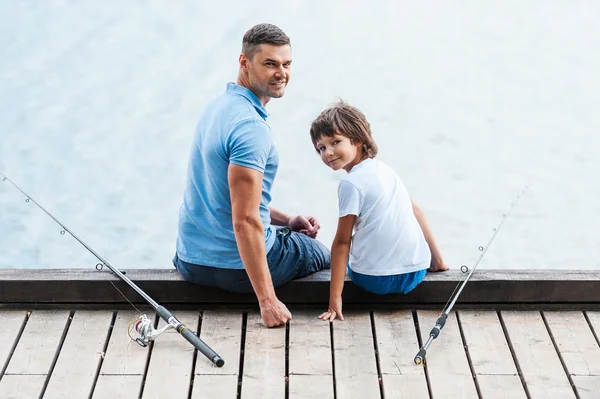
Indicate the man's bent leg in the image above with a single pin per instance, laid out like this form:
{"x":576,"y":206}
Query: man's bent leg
{"x":296,"y":255}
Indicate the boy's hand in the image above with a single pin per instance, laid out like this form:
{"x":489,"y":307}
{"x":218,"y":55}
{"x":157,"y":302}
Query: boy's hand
{"x":335,"y":310}
{"x":438,"y":265}
{"x":305,"y":224}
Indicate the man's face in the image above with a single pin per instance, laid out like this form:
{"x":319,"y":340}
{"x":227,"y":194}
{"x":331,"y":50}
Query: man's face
{"x":269,"y":71}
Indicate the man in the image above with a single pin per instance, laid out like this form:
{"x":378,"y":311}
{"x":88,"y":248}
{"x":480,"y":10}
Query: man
{"x":226,"y":235}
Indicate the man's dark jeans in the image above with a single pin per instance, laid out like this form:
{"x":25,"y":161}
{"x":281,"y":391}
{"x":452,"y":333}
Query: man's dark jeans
{"x":292,"y":256}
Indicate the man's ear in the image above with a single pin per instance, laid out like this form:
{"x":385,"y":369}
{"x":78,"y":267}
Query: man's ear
{"x":243,"y":60}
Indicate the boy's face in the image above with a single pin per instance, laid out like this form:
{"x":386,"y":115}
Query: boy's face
{"x":339,"y":152}
{"x":268,"y":71}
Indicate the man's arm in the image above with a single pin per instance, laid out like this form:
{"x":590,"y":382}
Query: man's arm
{"x":303,"y":224}
{"x":279,"y":218}
{"x":245,"y":187}
{"x":437,"y":261}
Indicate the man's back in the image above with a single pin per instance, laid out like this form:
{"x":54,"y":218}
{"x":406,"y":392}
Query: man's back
{"x":232,"y":130}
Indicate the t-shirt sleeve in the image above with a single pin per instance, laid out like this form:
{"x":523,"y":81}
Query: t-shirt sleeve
{"x":250,"y":144}
{"x":350,"y":199}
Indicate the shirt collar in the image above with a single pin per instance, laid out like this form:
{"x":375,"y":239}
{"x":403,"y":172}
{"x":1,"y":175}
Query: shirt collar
{"x":248,"y":95}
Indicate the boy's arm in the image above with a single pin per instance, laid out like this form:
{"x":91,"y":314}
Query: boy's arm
{"x":437,"y":261}
{"x":340,"y":251}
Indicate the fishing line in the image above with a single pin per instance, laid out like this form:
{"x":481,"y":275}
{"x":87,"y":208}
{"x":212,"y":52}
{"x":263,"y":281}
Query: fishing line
{"x":441,"y":321}
{"x":143,"y":325}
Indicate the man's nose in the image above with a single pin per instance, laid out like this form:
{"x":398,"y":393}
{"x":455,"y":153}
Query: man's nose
{"x":281,"y":72}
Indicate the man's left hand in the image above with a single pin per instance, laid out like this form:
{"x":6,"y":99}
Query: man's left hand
{"x":305,"y":224}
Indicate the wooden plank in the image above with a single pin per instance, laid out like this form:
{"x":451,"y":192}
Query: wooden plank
{"x":21,"y":386}
{"x":123,"y":355}
{"x":11,"y":322}
{"x":311,"y":387}
{"x":594,"y":318}
{"x":588,"y":387}
{"x":355,"y":364}
{"x":539,"y":362}
{"x":490,"y":355}
{"x":212,"y":386}
{"x":222,"y":331}
{"x":167,"y":286}
{"x":264,"y":360}
{"x":398,"y":343}
{"x":171,"y":360}
{"x":118,"y":386}
{"x":575,"y":341}
{"x":446,"y":359}
{"x":310,"y":363}
{"x":500,"y":387}
{"x":77,"y":364}
{"x":39,"y":342}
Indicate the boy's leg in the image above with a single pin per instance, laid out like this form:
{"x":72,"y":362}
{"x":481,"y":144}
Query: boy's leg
{"x":296,"y":255}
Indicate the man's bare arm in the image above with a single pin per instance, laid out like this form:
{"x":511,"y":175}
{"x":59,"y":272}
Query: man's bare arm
{"x":245,"y":187}
{"x":279,"y":218}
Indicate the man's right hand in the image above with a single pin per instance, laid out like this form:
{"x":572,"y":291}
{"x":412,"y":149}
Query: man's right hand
{"x":274,"y":313}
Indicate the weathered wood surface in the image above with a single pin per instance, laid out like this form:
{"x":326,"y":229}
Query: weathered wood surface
{"x":310,"y":358}
{"x":222,"y":330}
{"x":478,"y":354}
{"x":124,"y":362}
{"x":264,"y":360}
{"x":11,"y":322}
{"x":492,"y":361}
{"x":171,"y":360}
{"x":355,"y":363}
{"x":578,"y":347}
{"x":75,"y":371}
{"x":536,"y":355}
{"x":446,"y":360}
{"x":397,"y":343}
{"x":167,"y":286}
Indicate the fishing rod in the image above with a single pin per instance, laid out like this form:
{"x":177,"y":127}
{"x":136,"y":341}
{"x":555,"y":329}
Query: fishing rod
{"x":441,"y":321}
{"x":143,"y":325}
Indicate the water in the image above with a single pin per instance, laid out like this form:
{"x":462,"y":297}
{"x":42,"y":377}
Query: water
{"x":469,"y":103}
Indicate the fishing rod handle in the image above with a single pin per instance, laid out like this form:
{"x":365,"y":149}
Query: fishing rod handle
{"x":420,"y":356}
{"x":202,"y":347}
{"x":190,"y":336}
{"x":439,"y":324}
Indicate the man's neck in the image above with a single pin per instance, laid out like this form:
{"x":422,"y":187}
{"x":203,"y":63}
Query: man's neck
{"x":241,"y":81}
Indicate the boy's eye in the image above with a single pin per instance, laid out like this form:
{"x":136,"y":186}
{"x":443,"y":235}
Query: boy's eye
{"x":336,"y":142}
{"x":321,"y":149}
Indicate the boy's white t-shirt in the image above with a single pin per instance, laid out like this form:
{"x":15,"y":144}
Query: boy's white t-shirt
{"x":387,"y":237}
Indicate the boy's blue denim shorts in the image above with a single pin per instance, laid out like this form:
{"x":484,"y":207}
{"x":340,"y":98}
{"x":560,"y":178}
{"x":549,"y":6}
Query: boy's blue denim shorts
{"x":394,"y":284}
{"x":292,"y":256}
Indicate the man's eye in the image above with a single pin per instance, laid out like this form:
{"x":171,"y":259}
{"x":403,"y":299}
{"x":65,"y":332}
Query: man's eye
{"x":321,"y":149}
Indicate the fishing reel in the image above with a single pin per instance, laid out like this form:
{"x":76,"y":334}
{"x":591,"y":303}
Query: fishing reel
{"x":145,"y":328}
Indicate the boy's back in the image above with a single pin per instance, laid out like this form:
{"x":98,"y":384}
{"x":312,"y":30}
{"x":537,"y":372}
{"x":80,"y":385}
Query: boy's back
{"x":387,"y":237}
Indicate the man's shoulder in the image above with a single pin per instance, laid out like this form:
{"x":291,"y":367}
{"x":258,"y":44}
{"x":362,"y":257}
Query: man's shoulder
{"x":235,"y":110}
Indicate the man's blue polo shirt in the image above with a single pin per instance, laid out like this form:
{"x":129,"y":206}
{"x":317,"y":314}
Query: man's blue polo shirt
{"x":232,"y":130}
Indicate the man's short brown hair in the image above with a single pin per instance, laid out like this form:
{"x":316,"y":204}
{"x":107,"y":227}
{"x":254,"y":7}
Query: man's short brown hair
{"x":348,"y":121}
{"x":262,"y":34}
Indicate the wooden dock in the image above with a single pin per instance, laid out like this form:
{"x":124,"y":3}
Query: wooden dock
{"x":75,"y":347}
{"x":480,"y":354}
